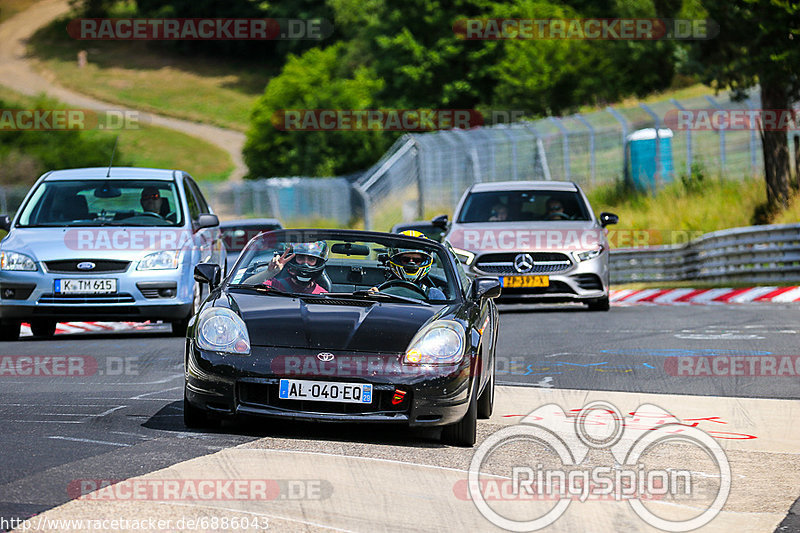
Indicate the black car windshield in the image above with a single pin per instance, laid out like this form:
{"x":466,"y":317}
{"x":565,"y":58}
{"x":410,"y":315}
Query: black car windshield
{"x":103,"y":202}
{"x":355,"y":264}
{"x":523,"y":206}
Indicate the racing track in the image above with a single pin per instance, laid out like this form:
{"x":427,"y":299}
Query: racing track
{"x":124,"y":421}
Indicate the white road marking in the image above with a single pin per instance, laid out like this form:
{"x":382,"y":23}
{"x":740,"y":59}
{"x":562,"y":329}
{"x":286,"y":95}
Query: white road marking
{"x":90,"y":441}
{"x":141,"y":396}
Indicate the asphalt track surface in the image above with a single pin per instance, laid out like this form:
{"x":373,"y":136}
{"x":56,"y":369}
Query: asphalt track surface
{"x":124,"y":419}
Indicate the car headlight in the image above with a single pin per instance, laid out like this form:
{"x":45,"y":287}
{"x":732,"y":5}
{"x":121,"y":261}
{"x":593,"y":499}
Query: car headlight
{"x":16,"y":261}
{"x":441,"y":342}
{"x":464,"y":256}
{"x":221,"y":330}
{"x":164,"y":260}
{"x":590,"y":254}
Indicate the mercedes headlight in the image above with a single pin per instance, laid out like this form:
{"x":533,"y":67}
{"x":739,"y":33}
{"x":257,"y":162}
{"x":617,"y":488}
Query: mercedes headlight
{"x":164,"y":260}
{"x":16,"y":261}
{"x":221,"y":330}
{"x":441,"y":342}
{"x":464,"y":256}
{"x":590,"y":254}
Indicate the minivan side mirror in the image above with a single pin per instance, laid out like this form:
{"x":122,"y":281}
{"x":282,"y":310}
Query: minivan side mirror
{"x":606,"y":219}
{"x":208,"y":273}
{"x":485,"y":287}
{"x":5,"y":223}
{"x":207,"y":220}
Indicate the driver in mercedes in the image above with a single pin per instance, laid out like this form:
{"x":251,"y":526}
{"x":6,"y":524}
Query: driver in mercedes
{"x":412,"y":266}
{"x":298,"y":268}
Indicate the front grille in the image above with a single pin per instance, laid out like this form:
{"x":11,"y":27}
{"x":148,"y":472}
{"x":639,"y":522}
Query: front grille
{"x":70,"y":266}
{"x":86,"y":298}
{"x":266,"y":395}
{"x":589,"y":282}
{"x":543,"y":263}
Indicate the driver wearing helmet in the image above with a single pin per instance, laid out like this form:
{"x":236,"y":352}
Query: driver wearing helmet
{"x":412,"y":265}
{"x":304,"y":264}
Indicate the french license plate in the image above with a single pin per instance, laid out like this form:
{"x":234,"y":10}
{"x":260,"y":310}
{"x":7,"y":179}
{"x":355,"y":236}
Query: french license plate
{"x":85,"y":286}
{"x":325,"y":391}
{"x":525,"y":281}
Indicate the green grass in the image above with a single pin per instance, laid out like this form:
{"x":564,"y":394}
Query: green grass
{"x":9,"y":8}
{"x":152,"y":146}
{"x":139,"y":75}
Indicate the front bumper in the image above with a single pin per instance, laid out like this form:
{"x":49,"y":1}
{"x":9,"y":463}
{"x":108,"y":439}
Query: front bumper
{"x":140,"y":296}
{"x":229,"y":385}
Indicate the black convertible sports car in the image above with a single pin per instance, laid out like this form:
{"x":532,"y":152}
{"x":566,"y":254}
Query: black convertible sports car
{"x":337,"y":325}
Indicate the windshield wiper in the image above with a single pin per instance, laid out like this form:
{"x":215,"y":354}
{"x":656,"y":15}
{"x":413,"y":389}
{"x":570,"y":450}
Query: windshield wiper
{"x":387,"y":296}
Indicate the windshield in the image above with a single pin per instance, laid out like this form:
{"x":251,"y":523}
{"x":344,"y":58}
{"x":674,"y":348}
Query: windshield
{"x":347,"y":264}
{"x":107,"y":202}
{"x":523,"y":206}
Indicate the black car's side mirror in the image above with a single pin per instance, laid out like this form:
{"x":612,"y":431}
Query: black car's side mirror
{"x":606,"y":219}
{"x":5,"y":223}
{"x":208,"y":273}
{"x":207,"y":220}
{"x":441,"y":221}
{"x":485,"y":287}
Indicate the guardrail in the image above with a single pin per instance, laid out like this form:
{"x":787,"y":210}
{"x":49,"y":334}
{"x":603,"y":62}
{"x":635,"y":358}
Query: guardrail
{"x":757,"y":254}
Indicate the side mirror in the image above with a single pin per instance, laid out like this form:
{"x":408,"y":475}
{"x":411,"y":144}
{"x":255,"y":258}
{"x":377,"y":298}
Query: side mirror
{"x":208,"y":273}
{"x":606,"y":219}
{"x":441,"y":221}
{"x":207,"y":220}
{"x":485,"y":287}
{"x":5,"y":223}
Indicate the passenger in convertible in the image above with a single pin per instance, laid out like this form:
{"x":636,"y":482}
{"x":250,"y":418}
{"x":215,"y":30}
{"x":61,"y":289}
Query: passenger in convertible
{"x":304,"y":264}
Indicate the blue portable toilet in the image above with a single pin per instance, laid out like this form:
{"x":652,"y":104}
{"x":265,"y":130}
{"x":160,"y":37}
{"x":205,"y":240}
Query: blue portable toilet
{"x":642,"y":150}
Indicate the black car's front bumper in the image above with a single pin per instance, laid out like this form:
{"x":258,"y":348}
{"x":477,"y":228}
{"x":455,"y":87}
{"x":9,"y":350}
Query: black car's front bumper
{"x":228,"y":385}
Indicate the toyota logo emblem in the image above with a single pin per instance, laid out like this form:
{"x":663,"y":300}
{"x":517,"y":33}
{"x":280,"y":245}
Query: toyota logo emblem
{"x":523,"y":263}
{"x":85,"y":265}
{"x":325,"y":356}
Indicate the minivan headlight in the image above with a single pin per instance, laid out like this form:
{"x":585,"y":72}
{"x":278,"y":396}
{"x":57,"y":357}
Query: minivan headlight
{"x":16,"y":261}
{"x":163,"y":260}
{"x":221,"y":330}
{"x":440,"y":342}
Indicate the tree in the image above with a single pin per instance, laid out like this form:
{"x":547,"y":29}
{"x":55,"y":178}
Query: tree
{"x":758,"y":43}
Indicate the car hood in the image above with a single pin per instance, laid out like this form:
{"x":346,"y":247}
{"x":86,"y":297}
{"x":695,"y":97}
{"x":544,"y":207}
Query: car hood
{"x":560,"y":236}
{"x":293,"y":322}
{"x":117,"y":242}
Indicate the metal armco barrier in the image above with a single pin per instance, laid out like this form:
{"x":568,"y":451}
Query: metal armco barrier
{"x":755,"y":254}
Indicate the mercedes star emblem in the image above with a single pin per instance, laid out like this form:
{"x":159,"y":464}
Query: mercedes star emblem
{"x":523,"y":263}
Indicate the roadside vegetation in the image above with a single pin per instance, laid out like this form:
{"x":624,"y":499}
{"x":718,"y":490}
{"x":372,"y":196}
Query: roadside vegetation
{"x":9,"y":8}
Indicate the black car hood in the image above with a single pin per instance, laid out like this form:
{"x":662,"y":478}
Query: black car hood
{"x":311,"y":323}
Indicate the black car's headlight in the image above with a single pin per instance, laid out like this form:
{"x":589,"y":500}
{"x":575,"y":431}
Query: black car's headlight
{"x":440,"y":342}
{"x":221,"y":330}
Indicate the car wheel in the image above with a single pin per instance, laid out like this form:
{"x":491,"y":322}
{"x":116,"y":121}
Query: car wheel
{"x":179,"y":326}
{"x":486,"y":400}
{"x":464,"y":432}
{"x":43,"y":328}
{"x":9,"y":330}
{"x":192,"y":416}
{"x":601,"y":304}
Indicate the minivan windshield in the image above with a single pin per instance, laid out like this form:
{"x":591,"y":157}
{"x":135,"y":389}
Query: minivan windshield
{"x":523,"y":206}
{"x":111,"y":202}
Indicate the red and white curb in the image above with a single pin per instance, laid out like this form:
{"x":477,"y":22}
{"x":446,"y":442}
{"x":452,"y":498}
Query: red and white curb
{"x":89,"y":327}
{"x":705,"y":296}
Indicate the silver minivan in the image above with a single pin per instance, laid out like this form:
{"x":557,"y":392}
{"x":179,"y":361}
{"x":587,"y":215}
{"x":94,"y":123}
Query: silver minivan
{"x":106,"y":244}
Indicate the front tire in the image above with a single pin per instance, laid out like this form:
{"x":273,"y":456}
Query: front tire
{"x":43,"y":328}
{"x":601,"y":304}
{"x":179,"y":327}
{"x":464,"y":432}
{"x":193,"y":417}
{"x":486,"y":400}
{"x":9,"y":330}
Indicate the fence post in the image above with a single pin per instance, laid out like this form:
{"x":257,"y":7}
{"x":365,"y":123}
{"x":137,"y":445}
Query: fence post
{"x":507,"y":130}
{"x":688,"y":140}
{"x":539,"y":150}
{"x":624,"y":124}
{"x":753,"y":142}
{"x":589,"y":127}
{"x":657,"y":120}
{"x":420,"y":189}
{"x":721,"y":136}
{"x":3,"y":202}
{"x":564,"y":145}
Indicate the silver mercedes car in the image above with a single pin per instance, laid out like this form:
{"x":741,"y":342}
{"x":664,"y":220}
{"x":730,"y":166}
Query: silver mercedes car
{"x":541,"y":238}
{"x":106,"y":244}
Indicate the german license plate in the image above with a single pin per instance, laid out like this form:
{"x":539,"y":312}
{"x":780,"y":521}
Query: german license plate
{"x":325,"y":391}
{"x":525,"y":281}
{"x":85,"y":286}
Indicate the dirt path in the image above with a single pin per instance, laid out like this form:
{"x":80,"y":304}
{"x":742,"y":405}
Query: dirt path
{"x":17,"y":73}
